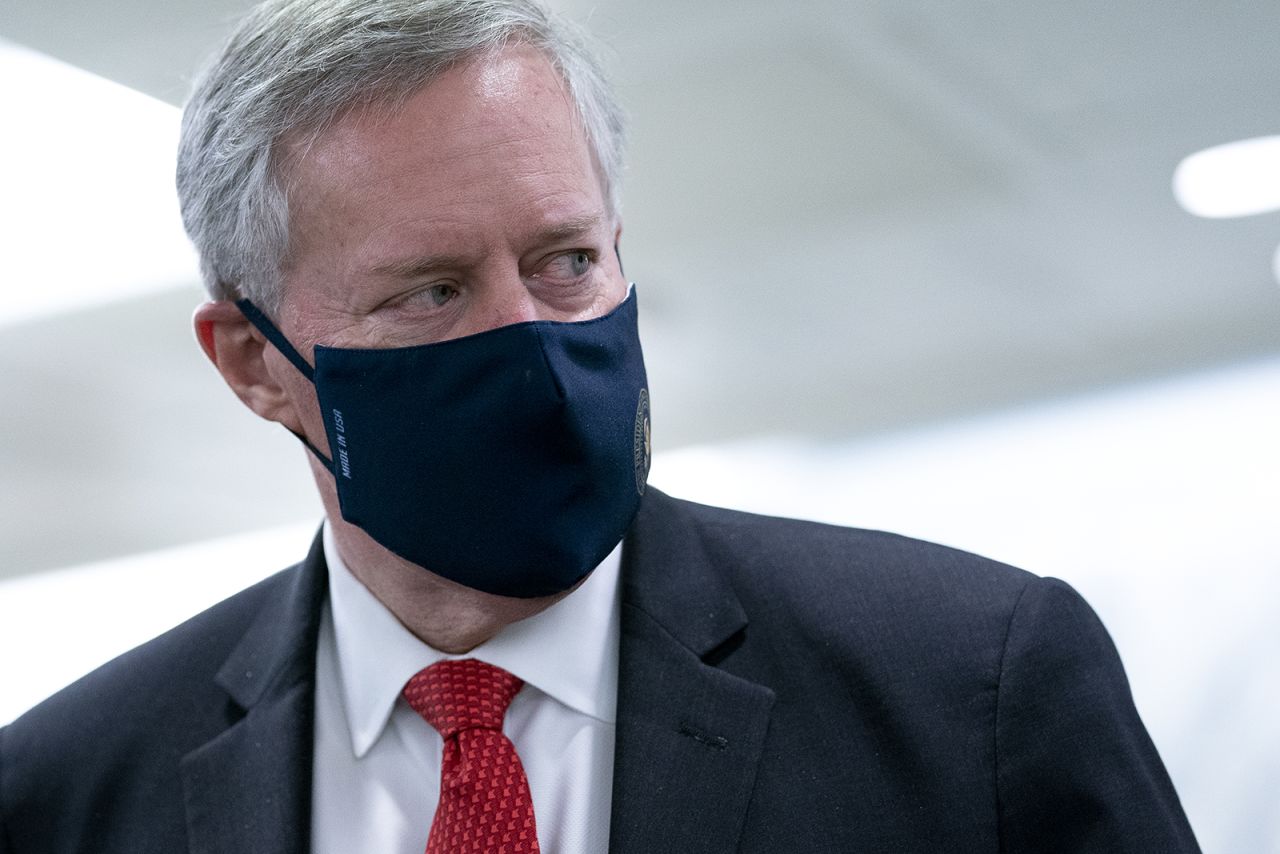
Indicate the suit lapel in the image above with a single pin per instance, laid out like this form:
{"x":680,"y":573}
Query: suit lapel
{"x":249,"y":789}
{"x":689,"y":735}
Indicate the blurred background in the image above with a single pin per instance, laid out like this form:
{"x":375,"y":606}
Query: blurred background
{"x":916,"y":266}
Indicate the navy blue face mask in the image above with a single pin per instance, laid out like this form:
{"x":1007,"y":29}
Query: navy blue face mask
{"x":511,"y":461}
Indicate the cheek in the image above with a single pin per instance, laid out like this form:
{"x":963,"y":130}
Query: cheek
{"x":611,"y":294}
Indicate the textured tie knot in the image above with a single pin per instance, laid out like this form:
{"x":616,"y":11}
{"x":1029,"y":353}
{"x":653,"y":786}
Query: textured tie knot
{"x":454,"y":696}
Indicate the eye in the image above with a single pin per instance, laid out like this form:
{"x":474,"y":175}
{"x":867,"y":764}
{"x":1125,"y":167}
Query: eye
{"x":579,"y":263}
{"x":568,"y":265}
{"x":438,"y":295}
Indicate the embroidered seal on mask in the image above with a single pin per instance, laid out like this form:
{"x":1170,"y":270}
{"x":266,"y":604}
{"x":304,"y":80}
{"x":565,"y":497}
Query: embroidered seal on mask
{"x":643,"y":441}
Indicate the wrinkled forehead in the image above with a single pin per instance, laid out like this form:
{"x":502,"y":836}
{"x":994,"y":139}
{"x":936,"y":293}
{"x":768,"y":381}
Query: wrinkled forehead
{"x":483,"y":98}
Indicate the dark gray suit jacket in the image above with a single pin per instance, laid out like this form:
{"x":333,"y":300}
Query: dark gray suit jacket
{"x":784,"y":687}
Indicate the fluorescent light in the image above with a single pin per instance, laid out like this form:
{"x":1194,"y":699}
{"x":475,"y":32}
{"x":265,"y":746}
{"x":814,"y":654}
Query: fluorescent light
{"x":89,"y":213}
{"x":1236,"y":179}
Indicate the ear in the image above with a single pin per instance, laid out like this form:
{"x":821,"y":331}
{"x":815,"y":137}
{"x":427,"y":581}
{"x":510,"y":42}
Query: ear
{"x":239,"y":352}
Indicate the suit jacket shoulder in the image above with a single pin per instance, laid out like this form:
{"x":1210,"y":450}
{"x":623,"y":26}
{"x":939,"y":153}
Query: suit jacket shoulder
{"x":838,"y":597}
{"x":830,"y":574}
{"x":99,"y":765}
{"x":908,"y":696}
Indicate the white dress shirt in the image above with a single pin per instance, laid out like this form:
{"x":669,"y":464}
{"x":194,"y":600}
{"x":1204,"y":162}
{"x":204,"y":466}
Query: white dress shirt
{"x":377,"y":763}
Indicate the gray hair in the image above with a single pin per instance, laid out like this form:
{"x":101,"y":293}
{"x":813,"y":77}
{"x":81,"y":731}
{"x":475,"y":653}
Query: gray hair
{"x":293,"y":66}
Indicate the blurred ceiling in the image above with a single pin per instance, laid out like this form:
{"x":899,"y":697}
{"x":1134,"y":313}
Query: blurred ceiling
{"x":843,"y":218}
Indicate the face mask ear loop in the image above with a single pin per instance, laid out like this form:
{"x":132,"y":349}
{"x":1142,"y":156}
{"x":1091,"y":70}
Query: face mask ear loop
{"x":324,"y":461}
{"x":264,"y":325}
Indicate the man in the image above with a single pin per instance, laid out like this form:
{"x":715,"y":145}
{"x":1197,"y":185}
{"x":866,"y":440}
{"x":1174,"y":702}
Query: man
{"x":407,"y":216}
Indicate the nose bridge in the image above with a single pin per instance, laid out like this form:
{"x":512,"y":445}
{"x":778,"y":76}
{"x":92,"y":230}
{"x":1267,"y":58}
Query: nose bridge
{"x":504,"y":298}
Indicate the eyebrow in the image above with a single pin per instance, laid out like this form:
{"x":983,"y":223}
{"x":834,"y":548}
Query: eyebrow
{"x":415,"y":267}
{"x":569,"y":228}
{"x":412,"y":268}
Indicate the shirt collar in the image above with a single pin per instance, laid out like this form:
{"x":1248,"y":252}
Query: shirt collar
{"x":569,"y":651}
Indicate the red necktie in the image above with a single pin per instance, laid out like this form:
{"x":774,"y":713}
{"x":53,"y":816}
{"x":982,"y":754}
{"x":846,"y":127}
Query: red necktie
{"x":485,"y":804}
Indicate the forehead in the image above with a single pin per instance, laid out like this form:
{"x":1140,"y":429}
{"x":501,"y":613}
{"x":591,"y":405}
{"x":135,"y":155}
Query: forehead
{"x":496,"y":131}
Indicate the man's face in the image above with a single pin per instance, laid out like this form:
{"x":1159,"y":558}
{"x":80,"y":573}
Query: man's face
{"x":475,"y":205}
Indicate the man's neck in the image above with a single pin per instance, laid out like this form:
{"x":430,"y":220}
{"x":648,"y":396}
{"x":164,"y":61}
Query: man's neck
{"x":445,"y":615}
